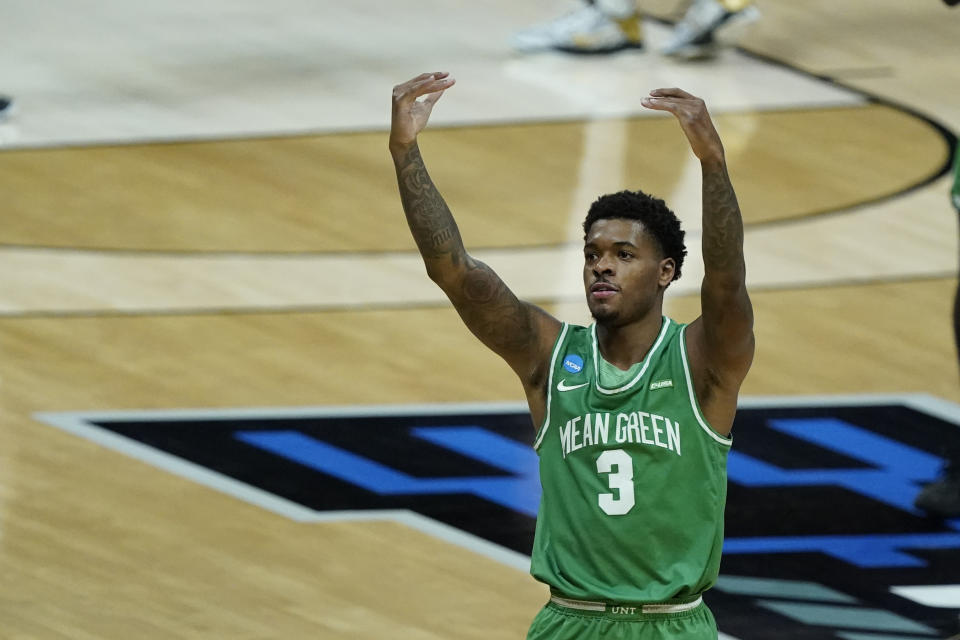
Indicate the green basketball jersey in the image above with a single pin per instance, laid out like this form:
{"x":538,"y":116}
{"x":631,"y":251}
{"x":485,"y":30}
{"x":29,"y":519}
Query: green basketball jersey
{"x":634,"y":479}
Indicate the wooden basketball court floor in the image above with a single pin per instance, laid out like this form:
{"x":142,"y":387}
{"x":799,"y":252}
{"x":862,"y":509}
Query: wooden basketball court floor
{"x":198,"y":211}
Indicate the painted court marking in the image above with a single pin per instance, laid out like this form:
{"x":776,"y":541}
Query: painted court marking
{"x":80,"y":423}
{"x":832,"y":604}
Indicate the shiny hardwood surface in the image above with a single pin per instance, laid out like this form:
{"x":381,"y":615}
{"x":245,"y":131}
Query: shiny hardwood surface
{"x":325,"y":193}
{"x":98,"y":545}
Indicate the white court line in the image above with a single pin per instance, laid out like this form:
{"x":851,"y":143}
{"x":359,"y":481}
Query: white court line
{"x":51,"y":281}
{"x":935,"y":595}
{"x":602,"y":169}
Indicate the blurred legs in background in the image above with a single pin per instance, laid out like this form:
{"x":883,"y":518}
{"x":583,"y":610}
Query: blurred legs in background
{"x":709,"y":25}
{"x":606,"y":26}
{"x":6,"y":106}
{"x":600,"y":26}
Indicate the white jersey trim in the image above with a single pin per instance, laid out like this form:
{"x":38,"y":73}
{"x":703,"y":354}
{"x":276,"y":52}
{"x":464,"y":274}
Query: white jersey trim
{"x":694,"y":405}
{"x":643,"y":369}
{"x":553,"y":363}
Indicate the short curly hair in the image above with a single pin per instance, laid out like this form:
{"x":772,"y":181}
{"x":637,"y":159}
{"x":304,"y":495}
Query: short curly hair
{"x":657,"y":219}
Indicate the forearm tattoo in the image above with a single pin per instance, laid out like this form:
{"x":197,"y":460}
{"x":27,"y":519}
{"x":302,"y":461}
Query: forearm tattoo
{"x":430,"y":221}
{"x":722,"y":223}
{"x":486,"y":305}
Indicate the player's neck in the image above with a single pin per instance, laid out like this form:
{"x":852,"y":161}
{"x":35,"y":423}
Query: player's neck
{"x":625,"y":345}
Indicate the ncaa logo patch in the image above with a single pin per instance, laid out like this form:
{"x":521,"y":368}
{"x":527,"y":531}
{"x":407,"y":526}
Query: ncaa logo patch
{"x":573,"y":363}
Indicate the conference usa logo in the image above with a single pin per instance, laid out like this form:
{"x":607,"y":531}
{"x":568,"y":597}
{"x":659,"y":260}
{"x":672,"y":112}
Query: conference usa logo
{"x":822,"y":538}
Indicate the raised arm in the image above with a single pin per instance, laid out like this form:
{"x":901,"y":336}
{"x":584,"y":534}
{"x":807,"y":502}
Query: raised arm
{"x":720,"y":342}
{"x":519,"y":332}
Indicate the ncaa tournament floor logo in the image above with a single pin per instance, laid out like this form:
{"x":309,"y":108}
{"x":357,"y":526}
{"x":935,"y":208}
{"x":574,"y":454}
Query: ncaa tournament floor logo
{"x":822,"y":538}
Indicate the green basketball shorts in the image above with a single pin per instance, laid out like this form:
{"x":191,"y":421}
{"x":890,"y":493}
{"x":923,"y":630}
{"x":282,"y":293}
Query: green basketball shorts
{"x":564,"y":619}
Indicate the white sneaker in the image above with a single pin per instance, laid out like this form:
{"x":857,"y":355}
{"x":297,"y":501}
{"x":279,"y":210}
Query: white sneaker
{"x":585,"y":30}
{"x":706,"y":27}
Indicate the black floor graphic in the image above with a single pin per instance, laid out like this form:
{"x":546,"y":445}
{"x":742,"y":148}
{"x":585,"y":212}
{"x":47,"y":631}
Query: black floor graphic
{"x":821,"y":532}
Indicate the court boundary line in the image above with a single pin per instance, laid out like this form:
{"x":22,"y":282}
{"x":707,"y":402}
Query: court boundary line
{"x":168,"y":312}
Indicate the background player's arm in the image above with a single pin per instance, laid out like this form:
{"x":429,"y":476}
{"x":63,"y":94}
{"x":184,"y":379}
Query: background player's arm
{"x":720,"y":342}
{"x":519,"y":332}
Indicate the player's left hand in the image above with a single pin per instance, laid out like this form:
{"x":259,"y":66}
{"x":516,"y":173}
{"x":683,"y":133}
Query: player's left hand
{"x":694,"y":119}
{"x":413,"y":103}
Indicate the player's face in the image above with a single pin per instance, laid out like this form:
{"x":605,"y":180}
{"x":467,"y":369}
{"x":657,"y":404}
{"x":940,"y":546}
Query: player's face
{"x":624,"y":272}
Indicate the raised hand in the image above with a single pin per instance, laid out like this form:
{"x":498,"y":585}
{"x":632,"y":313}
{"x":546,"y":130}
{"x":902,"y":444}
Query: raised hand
{"x":410,"y":113}
{"x":694,"y":119}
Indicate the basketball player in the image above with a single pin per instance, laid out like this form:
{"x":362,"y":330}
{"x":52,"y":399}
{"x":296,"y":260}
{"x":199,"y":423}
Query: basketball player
{"x":635,"y":411}
{"x":942,"y":497}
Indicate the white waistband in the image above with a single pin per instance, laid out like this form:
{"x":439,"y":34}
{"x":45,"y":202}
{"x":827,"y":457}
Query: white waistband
{"x":590,"y":605}
{"x":583,"y":605}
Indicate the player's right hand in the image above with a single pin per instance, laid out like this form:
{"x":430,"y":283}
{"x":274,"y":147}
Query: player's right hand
{"x":410,"y":113}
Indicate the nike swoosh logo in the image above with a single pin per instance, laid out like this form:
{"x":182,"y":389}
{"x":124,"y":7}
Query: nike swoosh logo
{"x":562,"y":386}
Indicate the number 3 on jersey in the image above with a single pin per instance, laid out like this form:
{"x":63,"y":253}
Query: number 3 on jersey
{"x":620,"y":481}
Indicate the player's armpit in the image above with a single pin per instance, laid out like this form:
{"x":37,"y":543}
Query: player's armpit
{"x":720,"y":356}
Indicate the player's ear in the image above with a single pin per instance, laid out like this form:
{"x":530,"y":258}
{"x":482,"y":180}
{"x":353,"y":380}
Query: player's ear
{"x":668,"y":267}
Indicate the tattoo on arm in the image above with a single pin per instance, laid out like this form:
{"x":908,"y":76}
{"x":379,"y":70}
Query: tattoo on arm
{"x":430,"y":221}
{"x":492,"y":311}
{"x":722,"y":224}
{"x":487,"y":306}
